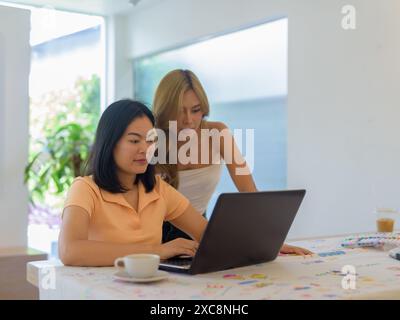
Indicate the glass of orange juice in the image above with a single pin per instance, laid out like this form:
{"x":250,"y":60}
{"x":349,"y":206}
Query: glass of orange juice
{"x":385,"y":219}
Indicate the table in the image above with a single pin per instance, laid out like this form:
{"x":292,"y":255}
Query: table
{"x":288,"y":277}
{"x":13,"y":264}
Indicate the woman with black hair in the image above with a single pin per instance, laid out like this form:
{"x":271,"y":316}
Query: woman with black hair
{"x":120,"y":206}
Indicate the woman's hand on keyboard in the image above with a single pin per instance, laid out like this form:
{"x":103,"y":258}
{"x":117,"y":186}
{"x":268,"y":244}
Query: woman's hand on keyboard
{"x":178,"y":247}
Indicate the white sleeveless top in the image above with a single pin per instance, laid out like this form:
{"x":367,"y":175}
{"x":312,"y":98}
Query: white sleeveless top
{"x":198,"y":185}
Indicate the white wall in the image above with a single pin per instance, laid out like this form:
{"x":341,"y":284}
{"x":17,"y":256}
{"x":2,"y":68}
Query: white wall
{"x":14,"y":133}
{"x":343,"y":105}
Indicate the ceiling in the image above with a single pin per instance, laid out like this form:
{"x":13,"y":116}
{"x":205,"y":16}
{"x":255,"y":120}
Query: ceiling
{"x":97,"y":7}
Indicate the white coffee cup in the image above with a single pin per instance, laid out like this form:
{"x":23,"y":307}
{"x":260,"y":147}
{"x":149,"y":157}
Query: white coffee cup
{"x":139,"y":265}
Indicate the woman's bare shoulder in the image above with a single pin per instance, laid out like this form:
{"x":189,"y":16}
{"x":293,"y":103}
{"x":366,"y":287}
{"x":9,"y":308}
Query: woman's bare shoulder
{"x":215,"y":125}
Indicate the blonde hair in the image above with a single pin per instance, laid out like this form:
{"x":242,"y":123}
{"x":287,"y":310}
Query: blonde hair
{"x":168,"y":99}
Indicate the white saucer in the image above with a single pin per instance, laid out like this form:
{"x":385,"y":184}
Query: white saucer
{"x":123,"y":276}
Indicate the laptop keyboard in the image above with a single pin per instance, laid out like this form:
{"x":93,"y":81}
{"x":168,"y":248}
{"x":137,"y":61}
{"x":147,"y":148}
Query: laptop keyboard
{"x":179,"y":262}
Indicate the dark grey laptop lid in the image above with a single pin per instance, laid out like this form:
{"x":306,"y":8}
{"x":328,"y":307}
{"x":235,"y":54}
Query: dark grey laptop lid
{"x":246,"y":228}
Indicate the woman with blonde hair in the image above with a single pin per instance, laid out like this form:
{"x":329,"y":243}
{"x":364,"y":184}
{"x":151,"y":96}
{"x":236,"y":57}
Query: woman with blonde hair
{"x":194,"y":162}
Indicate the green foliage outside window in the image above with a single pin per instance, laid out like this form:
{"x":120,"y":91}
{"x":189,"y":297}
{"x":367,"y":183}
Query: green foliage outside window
{"x":68,"y":126}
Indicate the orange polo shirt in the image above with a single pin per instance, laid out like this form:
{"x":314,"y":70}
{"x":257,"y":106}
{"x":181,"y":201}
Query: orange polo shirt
{"x":112,"y":218}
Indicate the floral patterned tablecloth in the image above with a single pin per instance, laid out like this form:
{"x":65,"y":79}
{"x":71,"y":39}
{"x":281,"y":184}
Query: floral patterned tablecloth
{"x":326,"y":275}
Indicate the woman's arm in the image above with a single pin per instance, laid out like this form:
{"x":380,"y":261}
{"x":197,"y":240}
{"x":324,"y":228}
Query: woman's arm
{"x":244,"y":182}
{"x":191,"y":222}
{"x":235,"y":162}
{"x":76,"y":250}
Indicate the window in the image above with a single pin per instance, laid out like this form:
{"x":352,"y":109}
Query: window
{"x":244,"y":74}
{"x":66,"y":69}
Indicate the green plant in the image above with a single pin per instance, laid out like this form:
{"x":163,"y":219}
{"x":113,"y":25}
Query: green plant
{"x":60,"y":154}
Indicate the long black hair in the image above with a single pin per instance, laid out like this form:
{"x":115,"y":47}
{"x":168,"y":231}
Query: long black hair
{"x":112,"y":125}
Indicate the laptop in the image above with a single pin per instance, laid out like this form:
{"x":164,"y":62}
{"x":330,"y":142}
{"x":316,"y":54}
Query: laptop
{"x":244,"y":229}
